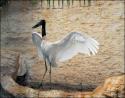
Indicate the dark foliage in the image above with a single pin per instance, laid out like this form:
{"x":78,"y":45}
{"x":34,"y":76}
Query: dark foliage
{"x":3,"y":2}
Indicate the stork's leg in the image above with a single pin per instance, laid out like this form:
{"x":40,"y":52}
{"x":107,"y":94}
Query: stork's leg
{"x":45,"y":70}
{"x":50,"y":75}
{"x":41,"y":84}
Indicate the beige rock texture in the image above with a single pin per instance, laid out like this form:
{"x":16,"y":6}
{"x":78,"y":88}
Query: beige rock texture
{"x":103,"y":20}
{"x":9,"y":63}
{"x":112,"y":88}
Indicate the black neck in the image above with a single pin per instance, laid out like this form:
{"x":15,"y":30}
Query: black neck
{"x":43,"y":30}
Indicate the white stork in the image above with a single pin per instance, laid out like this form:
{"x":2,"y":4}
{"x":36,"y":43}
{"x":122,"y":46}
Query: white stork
{"x":64,"y":49}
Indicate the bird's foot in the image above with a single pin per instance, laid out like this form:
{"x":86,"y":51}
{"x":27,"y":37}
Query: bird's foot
{"x":41,"y":85}
{"x":81,"y":87}
{"x":50,"y":88}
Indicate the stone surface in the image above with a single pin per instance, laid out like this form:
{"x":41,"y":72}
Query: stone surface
{"x":9,"y":63}
{"x":12,"y":87}
{"x":113,"y":88}
{"x":104,"y":21}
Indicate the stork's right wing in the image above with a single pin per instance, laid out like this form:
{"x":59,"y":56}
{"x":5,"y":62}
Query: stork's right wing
{"x":75,"y":43}
{"x":37,"y":39}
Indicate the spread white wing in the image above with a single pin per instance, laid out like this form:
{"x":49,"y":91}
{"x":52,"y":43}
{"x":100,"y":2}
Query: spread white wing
{"x":75,"y":43}
{"x":66,"y":48}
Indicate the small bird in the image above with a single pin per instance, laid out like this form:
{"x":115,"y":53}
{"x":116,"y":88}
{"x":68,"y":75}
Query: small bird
{"x":64,"y":49}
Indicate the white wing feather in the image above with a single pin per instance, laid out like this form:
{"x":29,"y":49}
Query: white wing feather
{"x":37,"y":39}
{"x":66,"y":48}
{"x":76,"y":43}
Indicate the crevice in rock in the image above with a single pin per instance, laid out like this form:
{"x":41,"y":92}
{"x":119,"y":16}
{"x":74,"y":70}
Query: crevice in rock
{"x":21,"y":80}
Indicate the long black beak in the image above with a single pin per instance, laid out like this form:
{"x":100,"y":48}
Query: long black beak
{"x":38,"y":24}
{"x":43,"y":24}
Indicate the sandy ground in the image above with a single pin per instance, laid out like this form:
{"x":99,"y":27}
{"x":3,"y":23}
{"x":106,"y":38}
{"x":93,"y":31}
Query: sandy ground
{"x":103,"y":21}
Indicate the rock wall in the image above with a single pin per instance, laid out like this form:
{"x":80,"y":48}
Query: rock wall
{"x":103,"y":20}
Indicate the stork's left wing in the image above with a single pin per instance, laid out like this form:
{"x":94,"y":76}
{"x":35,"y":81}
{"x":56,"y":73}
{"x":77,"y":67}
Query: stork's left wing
{"x":75,"y":43}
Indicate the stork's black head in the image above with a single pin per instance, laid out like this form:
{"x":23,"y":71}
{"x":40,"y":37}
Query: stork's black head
{"x":42,"y":22}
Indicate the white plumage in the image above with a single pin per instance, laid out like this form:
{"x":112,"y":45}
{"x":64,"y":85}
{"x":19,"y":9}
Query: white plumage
{"x":66,"y":48}
{"x":63,"y":49}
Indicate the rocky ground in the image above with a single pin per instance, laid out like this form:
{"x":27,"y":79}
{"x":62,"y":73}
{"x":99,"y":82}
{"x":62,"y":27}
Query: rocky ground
{"x":104,"y":21}
{"x":113,"y":87}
